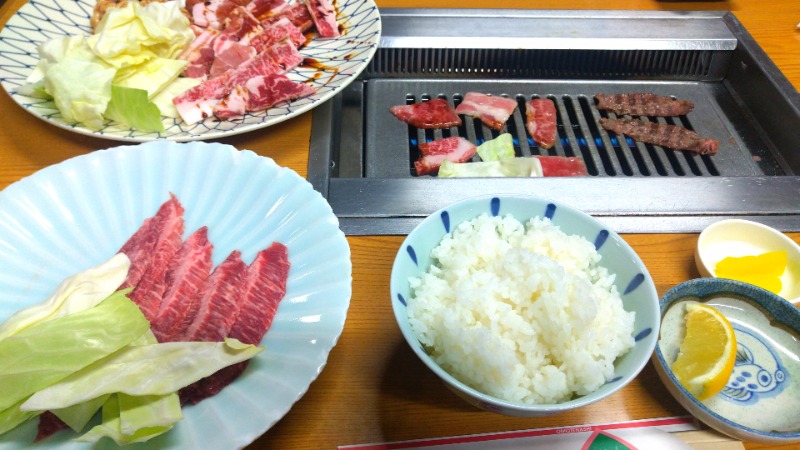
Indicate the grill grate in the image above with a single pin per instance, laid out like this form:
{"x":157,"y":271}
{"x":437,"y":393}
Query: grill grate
{"x":542,"y":63}
{"x":579,"y":135}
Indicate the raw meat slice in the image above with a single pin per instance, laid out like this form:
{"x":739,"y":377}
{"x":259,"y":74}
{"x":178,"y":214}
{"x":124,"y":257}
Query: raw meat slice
{"x":562,"y":166}
{"x":262,"y":9}
{"x":185,"y":277}
{"x":200,"y":54}
{"x":265,"y":287}
{"x":324,"y":16}
{"x":665,"y":135}
{"x":217,"y":307}
{"x":540,"y":121}
{"x":266,"y":91}
{"x":455,"y":149}
{"x":198,"y":103}
{"x":234,"y":104}
{"x":643,"y":104}
{"x":435,"y":113}
{"x":49,"y":424}
{"x":212,"y":13}
{"x":141,"y":246}
{"x":297,"y":13}
{"x":149,"y":291}
{"x":279,"y":31}
{"x":229,"y":54}
{"x":491,"y":110}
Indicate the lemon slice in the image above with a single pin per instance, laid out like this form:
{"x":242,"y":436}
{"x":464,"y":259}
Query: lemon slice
{"x":708,"y":352}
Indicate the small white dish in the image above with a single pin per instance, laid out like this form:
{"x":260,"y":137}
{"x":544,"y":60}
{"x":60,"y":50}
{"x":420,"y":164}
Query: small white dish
{"x":738,"y":237}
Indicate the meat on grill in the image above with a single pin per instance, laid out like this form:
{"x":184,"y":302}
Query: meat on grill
{"x":665,"y":135}
{"x":562,"y":166}
{"x":491,"y":110}
{"x":434,"y":113}
{"x":540,"y":121}
{"x":455,"y":149}
{"x":643,"y":104}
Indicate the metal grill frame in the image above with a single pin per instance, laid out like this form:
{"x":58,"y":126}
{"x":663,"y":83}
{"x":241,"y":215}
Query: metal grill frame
{"x":744,"y":87}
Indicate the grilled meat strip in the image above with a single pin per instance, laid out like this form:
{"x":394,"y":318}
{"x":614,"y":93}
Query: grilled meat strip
{"x":665,"y":135}
{"x":643,"y":104}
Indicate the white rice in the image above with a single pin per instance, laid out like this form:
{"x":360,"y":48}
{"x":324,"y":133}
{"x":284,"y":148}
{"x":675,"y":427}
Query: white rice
{"x":524,"y":313}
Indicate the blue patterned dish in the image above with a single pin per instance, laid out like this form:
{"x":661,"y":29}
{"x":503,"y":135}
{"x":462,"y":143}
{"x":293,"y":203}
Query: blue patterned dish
{"x":632,"y":281}
{"x":761,"y":402}
{"x":337,"y":63}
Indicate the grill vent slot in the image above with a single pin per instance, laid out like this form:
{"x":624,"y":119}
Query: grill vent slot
{"x":579,"y":135}
{"x":542,"y":63}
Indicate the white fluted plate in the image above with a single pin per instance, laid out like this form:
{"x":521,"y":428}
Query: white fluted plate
{"x":73,"y":215}
{"x":334,"y":64}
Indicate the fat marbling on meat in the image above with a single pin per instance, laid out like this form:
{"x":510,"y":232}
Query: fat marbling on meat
{"x":492,"y":110}
{"x":540,"y":121}
{"x":455,"y":149}
{"x":432,"y":114}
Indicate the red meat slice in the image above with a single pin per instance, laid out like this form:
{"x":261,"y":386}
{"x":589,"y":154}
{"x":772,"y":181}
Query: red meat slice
{"x":562,"y":166}
{"x":49,"y":424}
{"x":281,"y":30}
{"x":540,"y":120}
{"x":185,"y":277}
{"x":435,"y":113}
{"x":266,"y":91}
{"x":491,"y":110}
{"x":217,"y":308}
{"x":296,"y":12}
{"x":324,"y":17}
{"x":265,"y":287}
{"x":140,"y":246}
{"x":455,"y":149}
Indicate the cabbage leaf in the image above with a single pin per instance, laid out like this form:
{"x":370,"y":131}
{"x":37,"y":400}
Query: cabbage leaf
{"x":501,"y":147}
{"x":514,"y":167}
{"x":157,"y":369}
{"x":132,"y":107}
{"x":79,"y":292}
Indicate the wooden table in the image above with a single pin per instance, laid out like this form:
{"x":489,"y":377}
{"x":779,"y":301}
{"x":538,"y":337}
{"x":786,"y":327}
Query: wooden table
{"x":373,"y":388}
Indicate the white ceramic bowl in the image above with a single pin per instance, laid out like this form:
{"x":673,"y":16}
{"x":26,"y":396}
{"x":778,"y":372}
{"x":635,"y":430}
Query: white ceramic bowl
{"x":632,"y":281}
{"x":738,"y":237}
{"x":761,"y":401}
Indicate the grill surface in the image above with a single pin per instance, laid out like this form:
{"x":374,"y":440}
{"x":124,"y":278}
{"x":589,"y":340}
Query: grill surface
{"x":362,"y":157}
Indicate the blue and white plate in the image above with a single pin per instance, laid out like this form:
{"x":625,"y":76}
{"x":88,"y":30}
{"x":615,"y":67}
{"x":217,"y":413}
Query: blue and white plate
{"x":761,"y":401}
{"x":337,"y":63}
{"x":632,"y":281}
{"x":73,"y":215}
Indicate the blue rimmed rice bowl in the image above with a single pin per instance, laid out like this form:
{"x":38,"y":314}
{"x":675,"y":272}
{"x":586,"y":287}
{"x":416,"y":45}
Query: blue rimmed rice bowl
{"x":628,"y":275}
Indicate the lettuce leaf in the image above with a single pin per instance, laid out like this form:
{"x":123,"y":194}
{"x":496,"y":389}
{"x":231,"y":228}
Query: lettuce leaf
{"x":157,"y":369}
{"x":79,"y":292}
{"x":515,"y":167}
{"x":132,"y":107}
{"x":46,"y":353}
{"x":501,"y":147}
{"x":152,"y":76}
{"x":12,"y":417}
{"x":77,"y":416}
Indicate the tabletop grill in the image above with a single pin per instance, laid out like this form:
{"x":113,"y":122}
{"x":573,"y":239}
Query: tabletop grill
{"x":361,"y":157}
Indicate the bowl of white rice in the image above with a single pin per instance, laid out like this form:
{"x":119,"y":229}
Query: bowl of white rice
{"x":524,"y":306}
